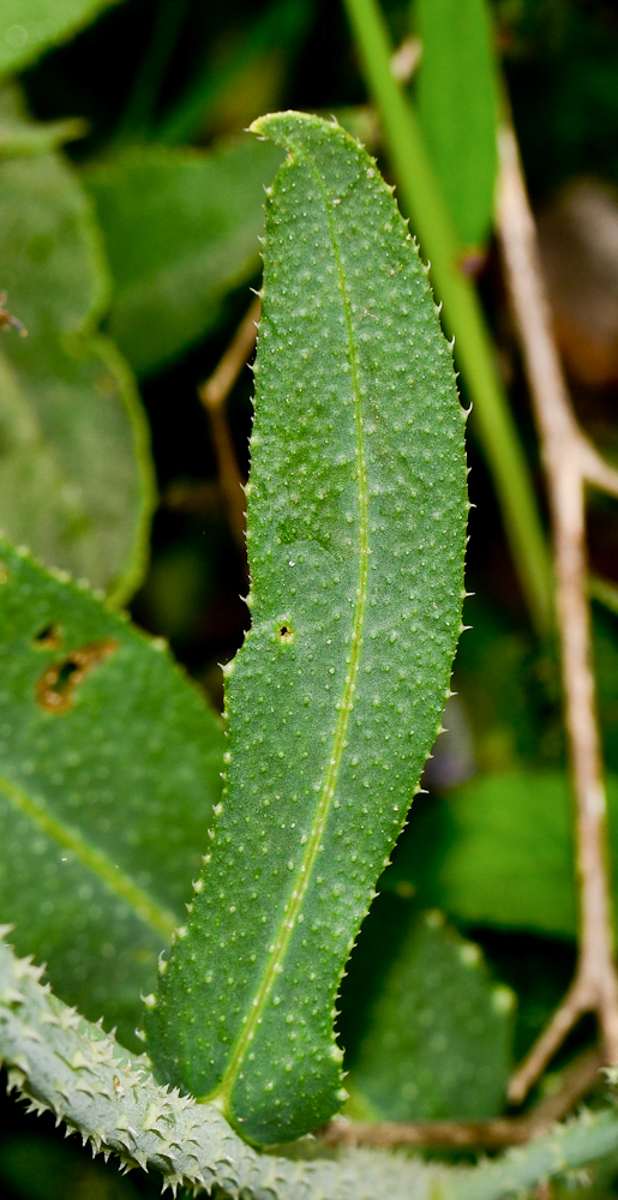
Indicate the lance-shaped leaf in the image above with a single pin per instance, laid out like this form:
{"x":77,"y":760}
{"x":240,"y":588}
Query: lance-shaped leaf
{"x":356,"y":532}
{"x":109,"y":769}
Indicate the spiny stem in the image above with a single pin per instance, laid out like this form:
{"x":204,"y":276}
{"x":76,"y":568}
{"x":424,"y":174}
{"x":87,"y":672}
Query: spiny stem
{"x":60,"y":1062}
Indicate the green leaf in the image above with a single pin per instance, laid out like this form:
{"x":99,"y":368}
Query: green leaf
{"x":458,"y":107}
{"x":439,"y":1034}
{"x":28,"y":27}
{"x":181,"y":229}
{"x":356,"y":532}
{"x":19,"y":134}
{"x":109,"y":768}
{"x":241,"y":76}
{"x":75,"y":472}
{"x":87,"y":1080}
{"x":499,"y":852}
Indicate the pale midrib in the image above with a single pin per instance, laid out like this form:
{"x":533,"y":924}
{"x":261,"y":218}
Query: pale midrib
{"x":161,"y":921}
{"x":303,"y":878}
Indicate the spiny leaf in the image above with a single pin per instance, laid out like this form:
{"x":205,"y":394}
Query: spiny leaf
{"x":181,"y":229}
{"x":356,"y":531}
{"x":438,"y":1033}
{"x":75,"y":472}
{"x":109,"y":768}
{"x":28,"y":27}
{"x":458,"y":108}
{"x":59,"y":1062}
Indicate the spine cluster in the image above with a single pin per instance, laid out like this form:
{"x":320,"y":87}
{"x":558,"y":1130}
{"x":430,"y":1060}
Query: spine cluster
{"x":60,"y":1062}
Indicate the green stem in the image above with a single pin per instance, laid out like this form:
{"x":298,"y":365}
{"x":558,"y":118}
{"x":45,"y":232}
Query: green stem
{"x":60,"y":1062}
{"x":494,"y":422}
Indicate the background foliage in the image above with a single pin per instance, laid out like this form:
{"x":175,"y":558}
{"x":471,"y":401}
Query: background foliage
{"x":128,"y":241}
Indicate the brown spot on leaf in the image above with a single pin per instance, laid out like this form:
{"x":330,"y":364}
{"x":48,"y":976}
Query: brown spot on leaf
{"x":55,"y":689}
{"x":48,"y":638}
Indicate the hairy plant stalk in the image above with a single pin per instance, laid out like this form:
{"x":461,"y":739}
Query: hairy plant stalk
{"x":59,"y":1062}
{"x":570,"y":462}
{"x":62,"y":1063}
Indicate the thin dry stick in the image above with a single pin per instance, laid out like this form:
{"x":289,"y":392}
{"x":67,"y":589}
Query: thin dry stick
{"x":490,"y":1135}
{"x":213,"y":395}
{"x":570,"y":462}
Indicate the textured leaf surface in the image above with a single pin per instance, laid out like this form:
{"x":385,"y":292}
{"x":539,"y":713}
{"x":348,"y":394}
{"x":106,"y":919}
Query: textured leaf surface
{"x":60,"y":1062}
{"x":356,"y":535}
{"x":28,"y":27}
{"x":499,"y":851}
{"x":75,"y":474}
{"x":109,"y":768}
{"x":458,"y":105}
{"x":181,"y":229}
{"x":439,"y":1035}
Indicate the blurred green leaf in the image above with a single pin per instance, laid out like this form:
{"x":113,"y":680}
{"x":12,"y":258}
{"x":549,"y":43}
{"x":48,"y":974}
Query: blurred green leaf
{"x":457,"y":96}
{"x":109,"y":769}
{"x":439,"y":1036}
{"x":28,"y":27}
{"x":243,"y":77}
{"x":499,"y":851}
{"x":75,"y":471}
{"x":181,"y":229}
{"x":19,"y":134}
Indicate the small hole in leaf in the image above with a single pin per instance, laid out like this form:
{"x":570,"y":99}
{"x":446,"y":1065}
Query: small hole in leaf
{"x":56,"y":688}
{"x":285,"y":632}
{"x":48,"y":638}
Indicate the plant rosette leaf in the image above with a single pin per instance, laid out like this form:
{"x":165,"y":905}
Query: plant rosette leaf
{"x":75,"y":472}
{"x":181,"y":229}
{"x":29,"y":27}
{"x":356,"y":534}
{"x":109,"y":769}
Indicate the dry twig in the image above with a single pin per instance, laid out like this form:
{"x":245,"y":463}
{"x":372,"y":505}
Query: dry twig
{"x":571,"y":462}
{"x":213,"y":395}
{"x":490,"y":1135}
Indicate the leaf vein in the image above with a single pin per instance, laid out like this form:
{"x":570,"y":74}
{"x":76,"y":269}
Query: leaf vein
{"x":303,"y":877}
{"x":162,"y":921}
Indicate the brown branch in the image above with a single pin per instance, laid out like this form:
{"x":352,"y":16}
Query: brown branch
{"x":489,"y":1135}
{"x":570,"y":461}
{"x":213,"y":395}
